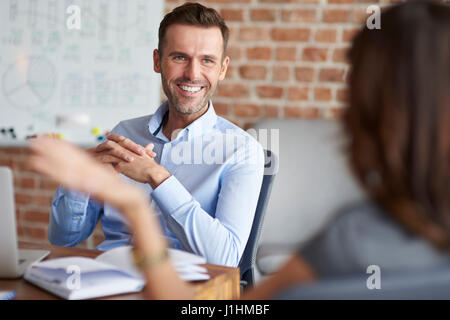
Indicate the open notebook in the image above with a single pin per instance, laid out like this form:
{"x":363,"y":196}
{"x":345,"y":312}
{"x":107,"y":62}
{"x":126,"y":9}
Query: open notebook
{"x":112,"y":272}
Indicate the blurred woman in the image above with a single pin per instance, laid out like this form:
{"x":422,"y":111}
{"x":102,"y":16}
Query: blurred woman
{"x":398,"y":124}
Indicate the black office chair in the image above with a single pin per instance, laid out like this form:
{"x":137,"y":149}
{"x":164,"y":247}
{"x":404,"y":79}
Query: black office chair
{"x":247,"y":263}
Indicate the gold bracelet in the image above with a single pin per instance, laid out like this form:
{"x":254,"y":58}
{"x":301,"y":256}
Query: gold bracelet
{"x":147,"y":262}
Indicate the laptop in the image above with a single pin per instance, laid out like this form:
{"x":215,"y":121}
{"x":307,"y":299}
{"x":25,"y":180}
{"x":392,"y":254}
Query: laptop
{"x":13,"y":262}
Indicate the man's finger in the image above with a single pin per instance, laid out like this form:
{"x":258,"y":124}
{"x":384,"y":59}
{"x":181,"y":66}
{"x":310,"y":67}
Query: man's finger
{"x":127,"y":143}
{"x":108,"y":159}
{"x":114,"y":149}
{"x":108,"y":145}
{"x":149,"y":150}
{"x":91,"y":151}
{"x":151,"y":154}
{"x":120,"y":153}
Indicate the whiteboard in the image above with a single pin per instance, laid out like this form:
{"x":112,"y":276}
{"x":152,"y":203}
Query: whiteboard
{"x":103,"y":68}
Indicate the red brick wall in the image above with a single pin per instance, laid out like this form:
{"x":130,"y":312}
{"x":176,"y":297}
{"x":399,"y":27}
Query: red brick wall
{"x":287,"y":56}
{"x":287,"y":61}
{"x":33,"y":195}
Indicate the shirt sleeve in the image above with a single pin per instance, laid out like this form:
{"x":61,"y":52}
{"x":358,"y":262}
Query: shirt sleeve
{"x":73,"y":217}
{"x":219,"y":237}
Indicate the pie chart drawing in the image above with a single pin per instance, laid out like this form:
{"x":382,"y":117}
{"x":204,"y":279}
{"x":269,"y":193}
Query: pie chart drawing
{"x":29,"y":83}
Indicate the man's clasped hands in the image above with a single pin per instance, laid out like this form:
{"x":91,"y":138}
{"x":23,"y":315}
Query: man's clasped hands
{"x":130,"y":159}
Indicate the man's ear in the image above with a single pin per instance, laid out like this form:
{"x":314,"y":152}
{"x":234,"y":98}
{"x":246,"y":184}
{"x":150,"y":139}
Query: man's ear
{"x":156,"y":61}
{"x":223,"y":70}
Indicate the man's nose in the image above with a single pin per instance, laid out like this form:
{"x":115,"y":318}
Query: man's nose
{"x":192,"y":71}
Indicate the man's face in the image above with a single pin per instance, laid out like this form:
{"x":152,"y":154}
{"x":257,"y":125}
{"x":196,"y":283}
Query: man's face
{"x":191,"y":66}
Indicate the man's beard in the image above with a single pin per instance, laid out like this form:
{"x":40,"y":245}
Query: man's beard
{"x":175,"y":102}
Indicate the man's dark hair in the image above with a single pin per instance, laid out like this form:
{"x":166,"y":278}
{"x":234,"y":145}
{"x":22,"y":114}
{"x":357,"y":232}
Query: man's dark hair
{"x":193,"y":14}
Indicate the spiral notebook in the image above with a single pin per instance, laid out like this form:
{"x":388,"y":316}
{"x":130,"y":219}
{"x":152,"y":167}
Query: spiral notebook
{"x":111,"y":273}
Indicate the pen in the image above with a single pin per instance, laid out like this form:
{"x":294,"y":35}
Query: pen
{"x":7,"y":295}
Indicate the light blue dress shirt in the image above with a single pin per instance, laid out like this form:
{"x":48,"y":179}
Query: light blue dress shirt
{"x":206,"y":206}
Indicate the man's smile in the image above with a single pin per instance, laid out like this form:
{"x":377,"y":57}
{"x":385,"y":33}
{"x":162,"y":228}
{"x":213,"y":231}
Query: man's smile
{"x":190,"y":90}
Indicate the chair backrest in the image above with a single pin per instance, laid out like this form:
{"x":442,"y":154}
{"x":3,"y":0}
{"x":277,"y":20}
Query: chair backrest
{"x":248,"y":258}
{"x":313,"y":181}
{"x":433,"y":283}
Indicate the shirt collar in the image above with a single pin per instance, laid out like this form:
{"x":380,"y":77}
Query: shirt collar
{"x":203,"y":124}
{"x":157,"y":118}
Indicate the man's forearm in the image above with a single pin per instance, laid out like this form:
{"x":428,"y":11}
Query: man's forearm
{"x":194,"y":227}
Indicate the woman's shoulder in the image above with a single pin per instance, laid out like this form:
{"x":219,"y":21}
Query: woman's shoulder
{"x":364,"y":234}
{"x":361,"y":214}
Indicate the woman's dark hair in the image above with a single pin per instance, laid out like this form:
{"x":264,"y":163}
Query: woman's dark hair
{"x":193,"y":14}
{"x":399,"y":116}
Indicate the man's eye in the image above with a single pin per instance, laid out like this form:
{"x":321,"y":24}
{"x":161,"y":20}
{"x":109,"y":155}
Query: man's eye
{"x":207,"y":61}
{"x":179,"y":58}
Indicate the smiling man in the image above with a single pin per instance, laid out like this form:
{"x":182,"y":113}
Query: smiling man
{"x":206,"y":201}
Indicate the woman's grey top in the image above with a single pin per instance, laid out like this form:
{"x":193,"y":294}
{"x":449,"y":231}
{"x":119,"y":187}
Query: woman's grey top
{"x":365,"y":235}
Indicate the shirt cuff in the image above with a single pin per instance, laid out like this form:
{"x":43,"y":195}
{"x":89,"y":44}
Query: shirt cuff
{"x":170,"y":195}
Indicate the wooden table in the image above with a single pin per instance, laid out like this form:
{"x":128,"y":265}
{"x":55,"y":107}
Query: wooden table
{"x":224,"y":282}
